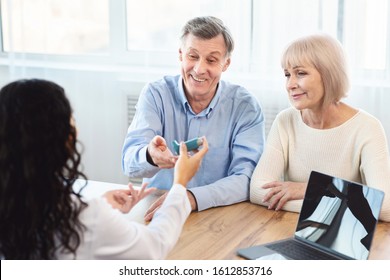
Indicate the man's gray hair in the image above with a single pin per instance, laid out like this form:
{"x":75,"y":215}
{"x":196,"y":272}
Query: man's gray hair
{"x":207,"y":28}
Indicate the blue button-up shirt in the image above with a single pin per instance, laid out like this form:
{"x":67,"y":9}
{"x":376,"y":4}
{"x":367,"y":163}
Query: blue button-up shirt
{"x":233,"y":124}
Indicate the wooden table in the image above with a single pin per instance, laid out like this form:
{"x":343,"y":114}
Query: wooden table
{"x":217,"y":233}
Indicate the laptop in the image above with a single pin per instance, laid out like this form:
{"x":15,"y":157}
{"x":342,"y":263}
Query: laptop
{"x":337,"y":221}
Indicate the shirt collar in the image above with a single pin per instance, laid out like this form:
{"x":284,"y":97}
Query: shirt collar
{"x":206,"y":112}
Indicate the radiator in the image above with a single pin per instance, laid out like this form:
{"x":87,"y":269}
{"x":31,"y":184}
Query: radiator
{"x":131,"y":102}
{"x":270,"y":113}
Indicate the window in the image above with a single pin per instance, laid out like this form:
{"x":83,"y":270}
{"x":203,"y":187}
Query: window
{"x":156,"y":25}
{"x":375,"y":39}
{"x":146,"y":33}
{"x":366,"y":35}
{"x":55,"y":27}
{"x":361,"y":25}
{"x":276,"y":23}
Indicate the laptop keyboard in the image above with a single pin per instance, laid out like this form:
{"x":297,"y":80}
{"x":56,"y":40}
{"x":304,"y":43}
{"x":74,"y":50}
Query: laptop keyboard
{"x":298,"y":251}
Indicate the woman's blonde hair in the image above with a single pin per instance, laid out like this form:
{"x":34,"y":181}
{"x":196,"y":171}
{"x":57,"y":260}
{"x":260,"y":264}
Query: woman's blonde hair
{"x":325,"y":54}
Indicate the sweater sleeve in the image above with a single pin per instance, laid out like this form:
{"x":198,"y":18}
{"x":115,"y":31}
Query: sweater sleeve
{"x":375,"y":162}
{"x":272,"y":165}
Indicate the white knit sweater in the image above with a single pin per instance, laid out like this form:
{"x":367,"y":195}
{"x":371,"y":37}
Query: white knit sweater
{"x":356,"y":151}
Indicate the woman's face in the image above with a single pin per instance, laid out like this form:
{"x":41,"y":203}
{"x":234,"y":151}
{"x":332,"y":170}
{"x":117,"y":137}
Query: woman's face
{"x":73,"y":124}
{"x":70,"y":141}
{"x":304,"y":86}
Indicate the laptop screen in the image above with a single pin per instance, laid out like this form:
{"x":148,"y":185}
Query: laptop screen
{"x":339,"y":216}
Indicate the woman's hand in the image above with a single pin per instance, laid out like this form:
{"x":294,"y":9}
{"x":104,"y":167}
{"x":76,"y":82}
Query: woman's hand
{"x":187,"y":165}
{"x":281,"y":192}
{"x":185,"y":168}
{"x":125,"y":200}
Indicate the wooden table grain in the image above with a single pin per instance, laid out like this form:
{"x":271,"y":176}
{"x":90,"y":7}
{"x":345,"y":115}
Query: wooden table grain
{"x":217,"y":233}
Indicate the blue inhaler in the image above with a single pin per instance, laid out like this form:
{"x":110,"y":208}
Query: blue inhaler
{"x":192,"y":144}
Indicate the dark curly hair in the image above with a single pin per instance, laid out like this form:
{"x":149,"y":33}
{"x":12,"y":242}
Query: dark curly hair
{"x":39,"y":162}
